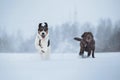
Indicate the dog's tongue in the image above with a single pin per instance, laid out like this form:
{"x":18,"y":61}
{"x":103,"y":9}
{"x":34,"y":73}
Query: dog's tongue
{"x":43,"y":36}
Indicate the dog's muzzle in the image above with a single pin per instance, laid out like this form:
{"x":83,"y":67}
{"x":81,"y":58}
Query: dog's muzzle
{"x":43,"y":35}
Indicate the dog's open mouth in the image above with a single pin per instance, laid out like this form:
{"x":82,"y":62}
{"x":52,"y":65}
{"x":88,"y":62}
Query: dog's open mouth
{"x":43,"y":36}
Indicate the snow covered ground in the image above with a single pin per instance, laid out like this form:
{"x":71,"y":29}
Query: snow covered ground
{"x":28,"y":66}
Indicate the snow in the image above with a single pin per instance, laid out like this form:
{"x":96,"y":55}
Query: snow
{"x":28,"y":66}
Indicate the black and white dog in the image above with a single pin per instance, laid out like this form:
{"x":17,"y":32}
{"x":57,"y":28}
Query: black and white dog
{"x":42,"y":41}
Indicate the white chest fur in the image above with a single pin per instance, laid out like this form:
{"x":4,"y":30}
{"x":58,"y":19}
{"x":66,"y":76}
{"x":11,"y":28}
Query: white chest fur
{"x":44,"y":44}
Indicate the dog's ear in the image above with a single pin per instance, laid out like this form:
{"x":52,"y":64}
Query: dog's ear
{"x":46,"y":25}
{"x":91,"y":34}
{"x":84,"y":34}
{"x":40,"y":24}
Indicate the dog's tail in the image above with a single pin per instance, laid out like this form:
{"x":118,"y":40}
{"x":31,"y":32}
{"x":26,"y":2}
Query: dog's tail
{"x":78,"y":39}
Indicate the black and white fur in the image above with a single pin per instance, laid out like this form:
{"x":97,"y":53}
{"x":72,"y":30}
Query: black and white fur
{"x":42,"y":41}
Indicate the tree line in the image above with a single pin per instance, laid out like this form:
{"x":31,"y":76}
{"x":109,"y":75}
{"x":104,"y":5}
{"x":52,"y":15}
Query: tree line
{"x":106,"y":34}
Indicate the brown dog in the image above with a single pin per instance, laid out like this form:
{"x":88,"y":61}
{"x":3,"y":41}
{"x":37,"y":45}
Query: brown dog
{"x":87,"y":43}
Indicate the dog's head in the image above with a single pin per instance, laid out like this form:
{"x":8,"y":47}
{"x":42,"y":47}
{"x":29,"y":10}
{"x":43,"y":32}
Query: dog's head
{"x":87,"y":36}
{"x":43,"y":29}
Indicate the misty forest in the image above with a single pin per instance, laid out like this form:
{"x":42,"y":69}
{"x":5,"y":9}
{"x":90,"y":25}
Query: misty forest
{"x":106,"y":34}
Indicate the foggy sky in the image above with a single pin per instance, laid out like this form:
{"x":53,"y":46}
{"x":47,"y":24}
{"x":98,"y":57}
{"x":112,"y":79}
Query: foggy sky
{"x":24,"y":15}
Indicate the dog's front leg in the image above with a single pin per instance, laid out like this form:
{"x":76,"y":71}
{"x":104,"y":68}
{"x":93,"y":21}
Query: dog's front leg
{"x":93,"y":56}
{"x":44,"y":49}
{"x":81,"y":52}
{"x":89,"y":52}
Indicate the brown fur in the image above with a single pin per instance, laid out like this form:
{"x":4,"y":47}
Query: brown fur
{"x":87,"y":43}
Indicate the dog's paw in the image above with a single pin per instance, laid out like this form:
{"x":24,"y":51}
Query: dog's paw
{"x":42,"y":51}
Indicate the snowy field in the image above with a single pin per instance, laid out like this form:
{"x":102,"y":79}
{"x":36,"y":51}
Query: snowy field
{"x":24,"y":66}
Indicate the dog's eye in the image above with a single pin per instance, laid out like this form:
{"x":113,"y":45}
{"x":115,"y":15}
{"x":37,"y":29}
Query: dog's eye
{"x":45,"y":29}
{"x":40,"y":29}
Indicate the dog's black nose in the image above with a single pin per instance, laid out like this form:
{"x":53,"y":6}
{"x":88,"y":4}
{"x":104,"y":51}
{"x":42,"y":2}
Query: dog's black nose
{"x":43,"y":33}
